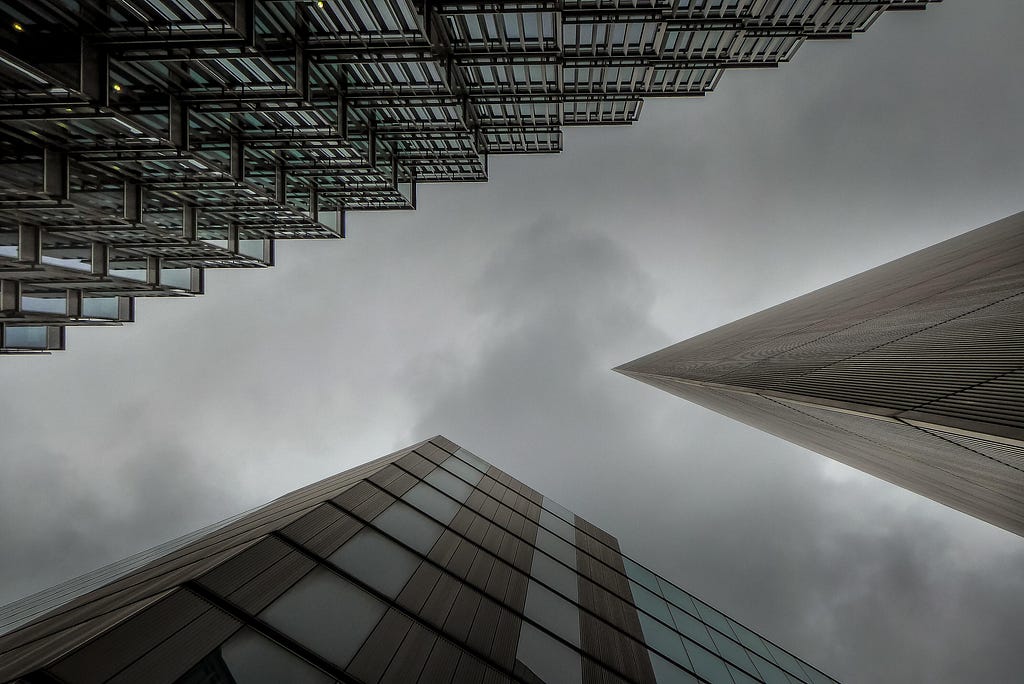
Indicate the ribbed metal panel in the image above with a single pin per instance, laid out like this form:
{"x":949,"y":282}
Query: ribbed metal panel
{"x":934,"y":339}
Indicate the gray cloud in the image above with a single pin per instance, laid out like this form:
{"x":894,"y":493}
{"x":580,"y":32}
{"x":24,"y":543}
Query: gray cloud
{"x":493,"y":313}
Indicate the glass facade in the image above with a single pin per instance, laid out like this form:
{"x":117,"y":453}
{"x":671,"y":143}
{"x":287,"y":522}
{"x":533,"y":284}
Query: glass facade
{"x":166,"y":137}
{"x":429,"y":565}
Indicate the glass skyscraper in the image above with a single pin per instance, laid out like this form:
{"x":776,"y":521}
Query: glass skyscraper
{"x":912,"y":372}
{"x":428,"y":565}
{"x":145,"y":141}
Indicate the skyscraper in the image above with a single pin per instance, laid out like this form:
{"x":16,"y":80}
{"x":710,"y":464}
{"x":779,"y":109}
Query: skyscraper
{"x":428,"y":565}
{"x":912,"y":372}
{"x":144,"y":141}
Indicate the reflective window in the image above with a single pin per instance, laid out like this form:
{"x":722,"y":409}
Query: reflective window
{"x":731,"y":651}
{"x":677,"y":596}
{"x":326,"y":614}
{"x":560,"y":527}
{"x":641,"y":575}
{"x":448,"y":483}
{"x":557,"y":576}
{"x":668,"y":673}
{"x":559,"y":510}
{"x":409,"y":525}
{"x":714,"y":618}
{"x":770,"y":673}
{"x":556,"y":546}
{"x":463,"y":470}
{"x":473,"y":460}
{"x":248,"y":658}
{"x":376,"y":560}
{"x":432,"y":502}
{"x":663,"y":639}
{"x":692,"y":627}
{"x":553,"y":612}
{"x":749,"y":639}
{"x":651,"y":603}
{"x":706,"y":664}
{"x":548,"y":659}
{"x":742,"y":677}
{"x":787,"y":661}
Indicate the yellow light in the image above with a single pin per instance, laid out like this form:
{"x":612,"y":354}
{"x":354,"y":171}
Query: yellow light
{"x":68,"y":109}
{"x":320,"y":4}
{"x":117,"y":87}
{"x":18,"y":27}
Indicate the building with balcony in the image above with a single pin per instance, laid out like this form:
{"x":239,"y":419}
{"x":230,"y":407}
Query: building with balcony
{"x":144,"y":141}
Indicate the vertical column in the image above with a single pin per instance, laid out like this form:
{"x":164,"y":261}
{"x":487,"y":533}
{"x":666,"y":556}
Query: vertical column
{"x":133,"y":202}
{"x":100,"y":259}
{"x":56,"y":173}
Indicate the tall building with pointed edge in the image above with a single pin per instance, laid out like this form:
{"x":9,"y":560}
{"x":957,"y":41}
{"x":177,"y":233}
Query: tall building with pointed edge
{"x":912,"y":372}
{"x":145,"y":141}
{"x":428,"y":565}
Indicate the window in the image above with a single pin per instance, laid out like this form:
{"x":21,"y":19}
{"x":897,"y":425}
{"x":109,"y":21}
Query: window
{"x":248,"y":658}
{"x":548,"y":659}
{"x":557,"y":547}
{"x":650,"y":603}
{"x":663,"y":639}
{"x":706,"y":664}
{"x":555,"y":575}
{"x":432,"y":502}
{"x":553,"y":612}
{"x":326,"y":614}
{"x":462,"y":470}
{"x":668,"y":673}
{"x":409,"y":525}
{"x":449,"y":484}
{"x":376,"y":560}
{"x":560,"y":527}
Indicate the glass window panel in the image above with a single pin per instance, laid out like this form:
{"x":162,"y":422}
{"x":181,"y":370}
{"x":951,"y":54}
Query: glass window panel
{"x":706,"y":664}
{"x":731,"y":651}
{"x":668,"y":673}
{"x":553,"y":612}
{"x":409,"y":526}
{"x":432,"y":502}
{"x":560,"y":527}
{"x":749,"y":639}
{"x":25,"y":337}
{"x":449,"y":484}
{"x":462,"y":470}
{"x":641,"y":575}
{"x":770,"y":672}
{"x":547,"y":658}
{"x":651,"y":603}
{"x":376,"y":560}
{"x":559,"y":510}
{"x":663,"y":639}
{"x":326,"y":614}
{"x":692,"y":627}
{"x":784,"y":659}
{"x":714,"y":618}
{"x":677,"y":596}
{"x":557,"y":547}
{"x":252,"y":659}
{"x":742,"y":677}
{"x":557,"y":576}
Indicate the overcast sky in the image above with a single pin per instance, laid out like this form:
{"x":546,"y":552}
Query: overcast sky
{"x":494,"y":312}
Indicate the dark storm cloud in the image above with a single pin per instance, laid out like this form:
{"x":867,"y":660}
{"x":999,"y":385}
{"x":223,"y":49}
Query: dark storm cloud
{"x":742,"y":519}
{"x":494,"y":312}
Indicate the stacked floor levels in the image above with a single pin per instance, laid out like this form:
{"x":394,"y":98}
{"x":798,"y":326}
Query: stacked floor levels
{"x":143,"y":141}
{"x":428,"y":565}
